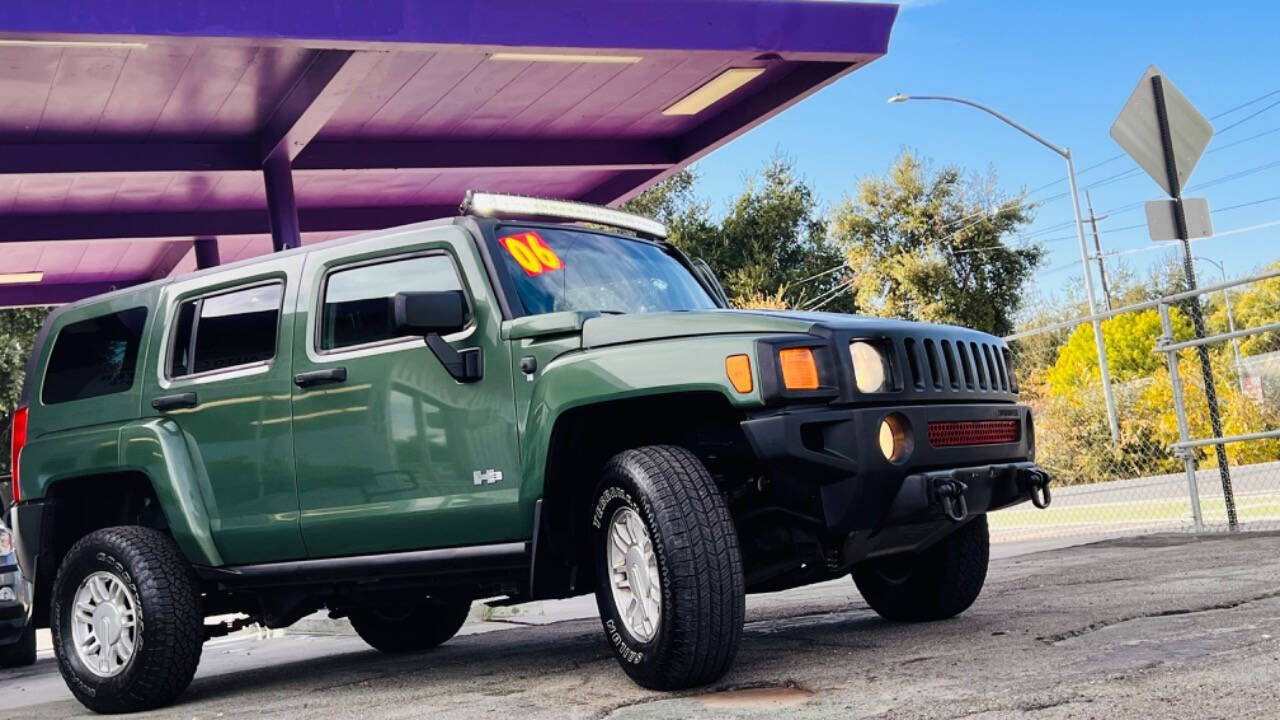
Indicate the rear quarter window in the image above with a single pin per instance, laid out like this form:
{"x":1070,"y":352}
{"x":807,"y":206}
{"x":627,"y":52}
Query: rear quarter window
{"x":94,"y":357}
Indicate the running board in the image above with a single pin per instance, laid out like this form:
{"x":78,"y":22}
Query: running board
{"x":480,"y":560}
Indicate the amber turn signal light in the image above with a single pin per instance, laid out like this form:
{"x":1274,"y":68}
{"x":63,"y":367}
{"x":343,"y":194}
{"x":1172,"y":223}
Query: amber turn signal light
{"x":738,"y":368}
{"x":799,"y":368}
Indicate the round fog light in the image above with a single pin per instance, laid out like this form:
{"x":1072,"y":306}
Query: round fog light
{"x":895,"y":438}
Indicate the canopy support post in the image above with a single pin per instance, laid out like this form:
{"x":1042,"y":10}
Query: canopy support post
{"x":206,"y":252}
{"x":282,"y":208}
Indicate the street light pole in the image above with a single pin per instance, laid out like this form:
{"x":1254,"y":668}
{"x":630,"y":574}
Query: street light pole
{"x":1065,"y":153}
{"x":1231,"y":319}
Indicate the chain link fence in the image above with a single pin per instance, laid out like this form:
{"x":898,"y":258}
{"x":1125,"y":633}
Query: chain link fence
{"x":1160,"y":471}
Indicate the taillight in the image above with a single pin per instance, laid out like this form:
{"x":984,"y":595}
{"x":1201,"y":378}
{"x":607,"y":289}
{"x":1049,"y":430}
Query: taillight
{"x":19,"y":439}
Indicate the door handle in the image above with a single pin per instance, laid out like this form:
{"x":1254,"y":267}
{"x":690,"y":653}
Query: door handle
{"x":174,"y":402}
{"x":320,"y":377}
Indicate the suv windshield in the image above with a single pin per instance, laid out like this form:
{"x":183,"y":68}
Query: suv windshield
{"x":555,"y":269}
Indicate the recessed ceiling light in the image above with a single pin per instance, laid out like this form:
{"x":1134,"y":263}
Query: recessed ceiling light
{"x":566,"y":58}
{"x":19,"y":278}
{"x":713,"y":91}
{"x":11,"y":42}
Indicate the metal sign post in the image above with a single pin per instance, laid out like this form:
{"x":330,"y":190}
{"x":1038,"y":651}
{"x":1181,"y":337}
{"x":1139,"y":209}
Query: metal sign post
{"x":1182,"y":134}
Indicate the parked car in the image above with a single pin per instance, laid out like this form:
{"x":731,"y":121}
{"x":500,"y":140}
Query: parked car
{"x":17,"y":633}
{"x":587,"y":415}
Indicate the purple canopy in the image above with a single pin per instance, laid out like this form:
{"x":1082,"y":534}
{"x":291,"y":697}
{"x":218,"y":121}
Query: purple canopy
{"x":138,"y":135}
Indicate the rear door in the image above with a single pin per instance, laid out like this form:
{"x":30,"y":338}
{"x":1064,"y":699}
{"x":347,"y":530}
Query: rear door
{"x":222,"y":372}
{"x":392,"y":452}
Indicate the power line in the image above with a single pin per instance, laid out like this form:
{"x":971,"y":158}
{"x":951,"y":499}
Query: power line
{"x":1120,"y":210}
{"x":815,"y":276}
{"x":1244,"y":105}
{"x":1224,"y":113}
{"x":826,"y":297}
{"x":1247,"y":118}
{"x":1149,"y":248}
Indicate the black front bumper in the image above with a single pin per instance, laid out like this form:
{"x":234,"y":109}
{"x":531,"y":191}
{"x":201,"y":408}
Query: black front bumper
{"x":832,"y":464}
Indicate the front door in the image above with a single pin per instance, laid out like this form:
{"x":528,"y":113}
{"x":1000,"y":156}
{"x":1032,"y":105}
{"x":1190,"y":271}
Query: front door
{"x":392,"y":452}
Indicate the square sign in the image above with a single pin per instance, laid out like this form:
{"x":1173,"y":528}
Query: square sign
{"x":1163,"y":226}
{"x":1137,"y":130}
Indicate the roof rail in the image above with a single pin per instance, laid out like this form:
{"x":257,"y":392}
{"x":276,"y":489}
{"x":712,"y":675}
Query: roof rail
{"x":486,"y":204}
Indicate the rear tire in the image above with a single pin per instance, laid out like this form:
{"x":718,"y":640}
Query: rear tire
{"x":674,"y":566}
{"x":410,"y":628}
{"x":940,"y":582}
{"x":150,"y":611}
{"x":22,"y":652}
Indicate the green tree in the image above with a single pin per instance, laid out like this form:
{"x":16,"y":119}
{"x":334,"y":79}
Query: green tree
{"x":767,"y":249}
{"x":1131,"y":350}
{"x":1252,"y":306}
{"x":18,"y":330}
{"x":933,"y":246}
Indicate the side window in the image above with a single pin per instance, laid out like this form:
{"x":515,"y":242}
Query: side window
{"x":357,"y":302}
{"x":226,"y":331}
{"x":94,"y":357}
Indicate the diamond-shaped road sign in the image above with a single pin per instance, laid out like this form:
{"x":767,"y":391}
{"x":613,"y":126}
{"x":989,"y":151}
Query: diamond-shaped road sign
{"x":1137,"y":130}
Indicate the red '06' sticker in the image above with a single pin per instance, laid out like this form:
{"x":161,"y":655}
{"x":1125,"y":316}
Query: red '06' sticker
{"x":532,"y":253}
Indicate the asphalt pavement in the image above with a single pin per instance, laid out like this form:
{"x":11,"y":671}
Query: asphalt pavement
{"x":1158,"y":626}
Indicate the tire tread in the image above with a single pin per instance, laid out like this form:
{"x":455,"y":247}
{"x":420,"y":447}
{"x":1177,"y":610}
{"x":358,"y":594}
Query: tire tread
{"x":172,"y":619}
{"x":703,"y":564}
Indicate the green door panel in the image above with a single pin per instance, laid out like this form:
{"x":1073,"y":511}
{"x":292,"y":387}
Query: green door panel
{"x":399,"y":455}
{"x":239,"y":435}
{"x":575,"y":379}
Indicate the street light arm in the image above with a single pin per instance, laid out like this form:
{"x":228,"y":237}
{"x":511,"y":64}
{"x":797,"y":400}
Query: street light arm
{"x":1064,"y":152}
{"x":1103,"y":366}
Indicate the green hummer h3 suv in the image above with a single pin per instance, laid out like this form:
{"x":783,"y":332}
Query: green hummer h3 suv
{"x":274,"y":436}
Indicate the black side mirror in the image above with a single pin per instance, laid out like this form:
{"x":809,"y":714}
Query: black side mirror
{"x":423,"y":313}
{"x":432,"y":314}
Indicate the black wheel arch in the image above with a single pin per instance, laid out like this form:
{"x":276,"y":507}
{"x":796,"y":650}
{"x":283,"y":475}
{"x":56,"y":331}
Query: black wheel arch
{"x":78,"y":505}
{"x":582,"y":442}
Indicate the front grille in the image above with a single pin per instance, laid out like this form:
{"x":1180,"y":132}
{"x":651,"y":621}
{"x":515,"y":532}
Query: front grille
{"x":963,"y":433}
{"x":958,"y":365}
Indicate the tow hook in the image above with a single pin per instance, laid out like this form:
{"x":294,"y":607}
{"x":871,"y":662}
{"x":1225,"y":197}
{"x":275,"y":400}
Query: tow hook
{"x":949,"y":493}
{"x":1035,"y":482}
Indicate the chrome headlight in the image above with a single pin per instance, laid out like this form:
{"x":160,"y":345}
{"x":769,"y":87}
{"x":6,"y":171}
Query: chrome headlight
{"x":870,"y":367}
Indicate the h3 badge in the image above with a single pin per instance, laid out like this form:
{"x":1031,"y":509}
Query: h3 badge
{"x":486,"y":477}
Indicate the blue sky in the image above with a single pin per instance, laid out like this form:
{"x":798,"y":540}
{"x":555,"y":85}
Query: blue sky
{"x":1064,"y":70}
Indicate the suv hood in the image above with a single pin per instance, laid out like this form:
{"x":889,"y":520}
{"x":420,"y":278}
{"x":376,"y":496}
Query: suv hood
{"x":605,"y":330}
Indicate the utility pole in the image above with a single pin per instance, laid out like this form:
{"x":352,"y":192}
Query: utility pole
{"x":1097,"y":244}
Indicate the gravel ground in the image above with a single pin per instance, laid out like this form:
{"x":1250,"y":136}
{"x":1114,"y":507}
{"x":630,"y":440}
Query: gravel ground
{"x":1161,"y":626}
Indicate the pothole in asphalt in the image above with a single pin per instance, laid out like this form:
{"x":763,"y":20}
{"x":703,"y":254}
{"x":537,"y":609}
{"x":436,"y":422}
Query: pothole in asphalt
{"x":755,"y":698}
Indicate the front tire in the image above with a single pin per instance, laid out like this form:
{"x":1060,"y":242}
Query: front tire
{"x":669,"y":580}
{"x":410,"y":628}
{"x":940,"y":582}
{"x":127,"y":621}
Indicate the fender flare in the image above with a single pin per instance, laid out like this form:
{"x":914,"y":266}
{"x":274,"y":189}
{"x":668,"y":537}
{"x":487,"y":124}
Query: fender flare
{"x":159,"y":449}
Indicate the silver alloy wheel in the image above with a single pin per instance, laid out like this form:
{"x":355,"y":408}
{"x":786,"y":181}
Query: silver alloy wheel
{"x":104,"y":623}
{"x":636,"y":585}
